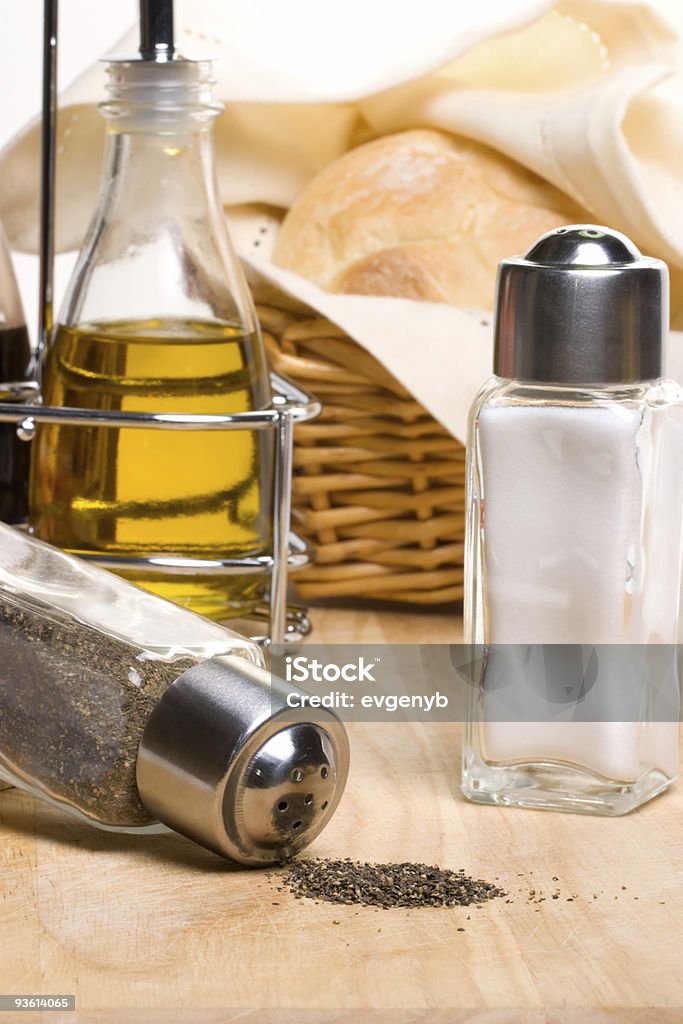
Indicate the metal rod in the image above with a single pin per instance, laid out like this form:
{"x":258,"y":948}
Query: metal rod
{"x":260,"y":565}
{"x":256,"y":419}
{"x":47,"y":183}
{"x":19,"y":391}
{"x":156,"y":29}
{"x":287,"y":399}
{"x":283,"y":387}
{"x":282,"y":512}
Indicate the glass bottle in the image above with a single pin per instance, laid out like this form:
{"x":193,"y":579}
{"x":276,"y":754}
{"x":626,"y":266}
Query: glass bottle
{"x":158,"y":318}
{"x":573,"y":550}
{"x":15,"y":357}
{"x":125,"y":710}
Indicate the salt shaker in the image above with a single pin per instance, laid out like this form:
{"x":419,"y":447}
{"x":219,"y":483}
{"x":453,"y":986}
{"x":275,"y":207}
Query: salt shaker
{"x":128,"y":711}
{"x":573,"y":551}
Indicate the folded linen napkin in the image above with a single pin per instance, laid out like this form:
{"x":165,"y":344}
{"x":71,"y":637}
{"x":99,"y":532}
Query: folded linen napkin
{"x":586,"y":93}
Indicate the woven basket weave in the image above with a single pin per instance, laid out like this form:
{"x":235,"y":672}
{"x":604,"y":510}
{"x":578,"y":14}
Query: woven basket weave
{"x":379,"y":484}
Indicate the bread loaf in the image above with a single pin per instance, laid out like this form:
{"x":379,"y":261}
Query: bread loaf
{"x":420,"y":214}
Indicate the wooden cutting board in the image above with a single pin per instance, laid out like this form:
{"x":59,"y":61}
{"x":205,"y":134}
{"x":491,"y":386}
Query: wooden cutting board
{"x":133,"y":925}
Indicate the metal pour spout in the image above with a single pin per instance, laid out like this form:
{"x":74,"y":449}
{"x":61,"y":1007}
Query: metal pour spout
{"x":156,"y":30}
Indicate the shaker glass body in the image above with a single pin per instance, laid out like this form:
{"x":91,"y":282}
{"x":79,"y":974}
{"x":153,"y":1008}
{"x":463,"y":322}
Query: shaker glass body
{"x":84,"y":659}
{"x":158,"y":318}
{"x":573,"y":577}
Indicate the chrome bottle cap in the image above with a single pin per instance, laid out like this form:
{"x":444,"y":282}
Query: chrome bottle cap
{"x":225,"y":761}
{"x":583,"y":306}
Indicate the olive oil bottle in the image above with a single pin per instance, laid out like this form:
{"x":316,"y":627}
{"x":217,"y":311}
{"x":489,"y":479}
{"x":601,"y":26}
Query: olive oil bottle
{"x":158,"y":318}
{"x":136,"y":493}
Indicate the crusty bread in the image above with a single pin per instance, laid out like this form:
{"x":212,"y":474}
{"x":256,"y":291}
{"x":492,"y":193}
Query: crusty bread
{"x":422,"y":215}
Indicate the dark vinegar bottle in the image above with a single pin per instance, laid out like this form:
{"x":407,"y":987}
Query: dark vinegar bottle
{"x":15,"y":356}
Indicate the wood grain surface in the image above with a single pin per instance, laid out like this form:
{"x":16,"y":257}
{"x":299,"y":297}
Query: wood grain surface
{"x":155,"y":929}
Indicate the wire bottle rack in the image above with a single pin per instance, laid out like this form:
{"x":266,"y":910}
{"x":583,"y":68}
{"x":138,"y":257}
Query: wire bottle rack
{"x":20,"y":403}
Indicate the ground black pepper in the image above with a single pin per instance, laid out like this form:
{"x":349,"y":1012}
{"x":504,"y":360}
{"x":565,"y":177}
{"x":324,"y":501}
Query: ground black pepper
{"x":73,"y":704}
{"x":386,"y":885}
{"x":409,"y":886}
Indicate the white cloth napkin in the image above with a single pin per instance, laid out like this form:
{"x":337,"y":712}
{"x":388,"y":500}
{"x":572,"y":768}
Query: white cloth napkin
{"x":587,"y":93}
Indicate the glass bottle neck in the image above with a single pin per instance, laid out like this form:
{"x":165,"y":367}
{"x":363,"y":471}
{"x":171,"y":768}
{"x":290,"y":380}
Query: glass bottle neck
{"x":158,"y":243}
{"x":146,"y":174}
{"x":173,"y":97}
{"x":159,"y":152}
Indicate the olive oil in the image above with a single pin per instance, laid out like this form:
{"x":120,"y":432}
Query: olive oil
{"x":15,"y":355}
{"x":139,"y":493}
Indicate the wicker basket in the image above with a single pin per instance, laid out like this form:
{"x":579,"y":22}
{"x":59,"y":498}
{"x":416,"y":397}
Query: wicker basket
{"x":379,"y":484}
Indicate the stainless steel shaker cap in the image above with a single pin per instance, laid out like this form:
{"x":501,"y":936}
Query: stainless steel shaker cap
{"x":225,"y":761}
{"x":583,"y":306}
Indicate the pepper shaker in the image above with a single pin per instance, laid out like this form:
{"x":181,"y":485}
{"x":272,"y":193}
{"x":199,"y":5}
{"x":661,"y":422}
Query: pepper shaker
{"x":134,"y":714}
